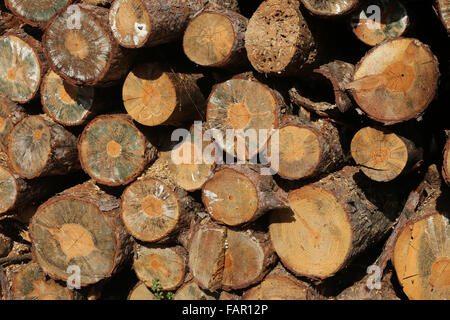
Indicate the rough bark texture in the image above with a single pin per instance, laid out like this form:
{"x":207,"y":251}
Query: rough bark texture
{"x":442,"y":8}
{"x":39,"y":147}
{"x":74,"y":51}
{"x":361,"y":290}
{"x":85,"y":212}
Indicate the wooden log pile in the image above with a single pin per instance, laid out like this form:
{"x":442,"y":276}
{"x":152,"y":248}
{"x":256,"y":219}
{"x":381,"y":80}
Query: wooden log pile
{"x":224,"y":149}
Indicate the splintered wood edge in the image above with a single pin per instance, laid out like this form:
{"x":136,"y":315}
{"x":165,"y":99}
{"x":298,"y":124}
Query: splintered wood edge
{"x":57,"y":276}
{"x":219,"y":207}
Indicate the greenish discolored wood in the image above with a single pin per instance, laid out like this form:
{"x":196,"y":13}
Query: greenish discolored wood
{"x":36,"y":12}
{"x":330,"y":7}
{"x":38,"y":147}
{"x":10,"y":114}
{"x":31,"y":283}
{"x":84,"y":52}
{"x":113,"y":151}
{"x":67,"y":104}
{"x":80,"y":227}
{"x":22,"y":65}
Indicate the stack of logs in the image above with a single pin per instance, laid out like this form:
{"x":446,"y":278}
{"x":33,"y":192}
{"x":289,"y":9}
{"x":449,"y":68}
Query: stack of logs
{"x":357,"y":207}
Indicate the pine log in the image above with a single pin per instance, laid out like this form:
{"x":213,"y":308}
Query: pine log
{"x":442,"y":8}
{"x":39,"y":147}
{"x":361,"y":291}
{"x":166,"y":264}
{"x":278,"y":39}
{"x":141,"y":292}
{"x":280,"y":285}
{"x":158,"y":95}
{"x":215,"y":38}
{"x":156,"y":211}
{"x":16,"y":192}
{"x":422,"y":250}
{"x":248,"y":108}
{"x":113,"y":151}
{"x":396,"y":80}
{"x":8,"y":21}
{"x":238,"y":194}
{"x":67,"y":104}
{"x":446,"y":162}
{"x":80,"y":227}
{"x":330,"y":222}
{"x":392,"y":22}
{"x":384,"y":155}
{"x":222,"y":258}
{"x":308,"y":149}
{"x":330,"y":8}
{"x":191,"y":291}
{"x":10,"y":114}
{"x":36,"y":13}
{"x":31,"y":283}
{"x":82,"y":50}
{"x":22,"y":66}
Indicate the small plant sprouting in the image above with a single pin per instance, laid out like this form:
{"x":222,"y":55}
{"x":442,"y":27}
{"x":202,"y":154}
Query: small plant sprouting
{"x":158,"y":293}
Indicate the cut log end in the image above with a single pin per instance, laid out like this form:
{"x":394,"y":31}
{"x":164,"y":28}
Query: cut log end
{"x":130,"y":23}
{"x":330,"y":8}
{"x":247,"y":107}
{"x":72,"y":231}
{"x":30,"y":283}
{"x":36,"y":12}
{"x":113,"y":151}
{"x":150,"y":210}
{"x":393,"y":23}
{"x":8,"y":190}
{"x":40,"y":147}
{"x":323,"y":232}
{"x":66,"y":104}
{"x":396,"y":80}
{"x":20,"y":68}
{"x":191,"y":291}
{"x":421,"y":258}
{"x":10,"y":114}
{"x":272,"y":39}
{"x":209,"y":39}
{"x":165,"y":265}
{"x":382,"y":156}
{"x":230,"y":197}
{"x":141,"y":292}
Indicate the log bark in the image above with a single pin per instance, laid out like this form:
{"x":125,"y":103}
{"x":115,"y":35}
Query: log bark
{"x":250,"y":109}
{"x":446,"y":162}
{"x":5,"y":245}
{"x":222,"y":258}
{"x":38,"y":147}
{"x":361,"y":291}
{"x":393,"y":22}
{"x":396,"y":80}
{"x":22,"y":65}
{"x":442,"y":9}
{"x":308,"y":149}
{"x":31,"y":283}
{"x":8,"y":21}
{"x":10,"y":114}
{"x":158,"y":95}
{"x":281,"y":285}
{"x":421,"y":250}
{"x":330,"y":8}
{"x":80,"y":227}
{"x":113,"y":151}
{"x":166,"y":264}
{"x":278,"y":39}
{"x":67,"y":104}
{"x":36,"y":13}
{"x":237,"y":195}
{"x":82,"y":50}
{"x":215,"y":38}
{"x":333,"y":221}
{"x":384,"y":155}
